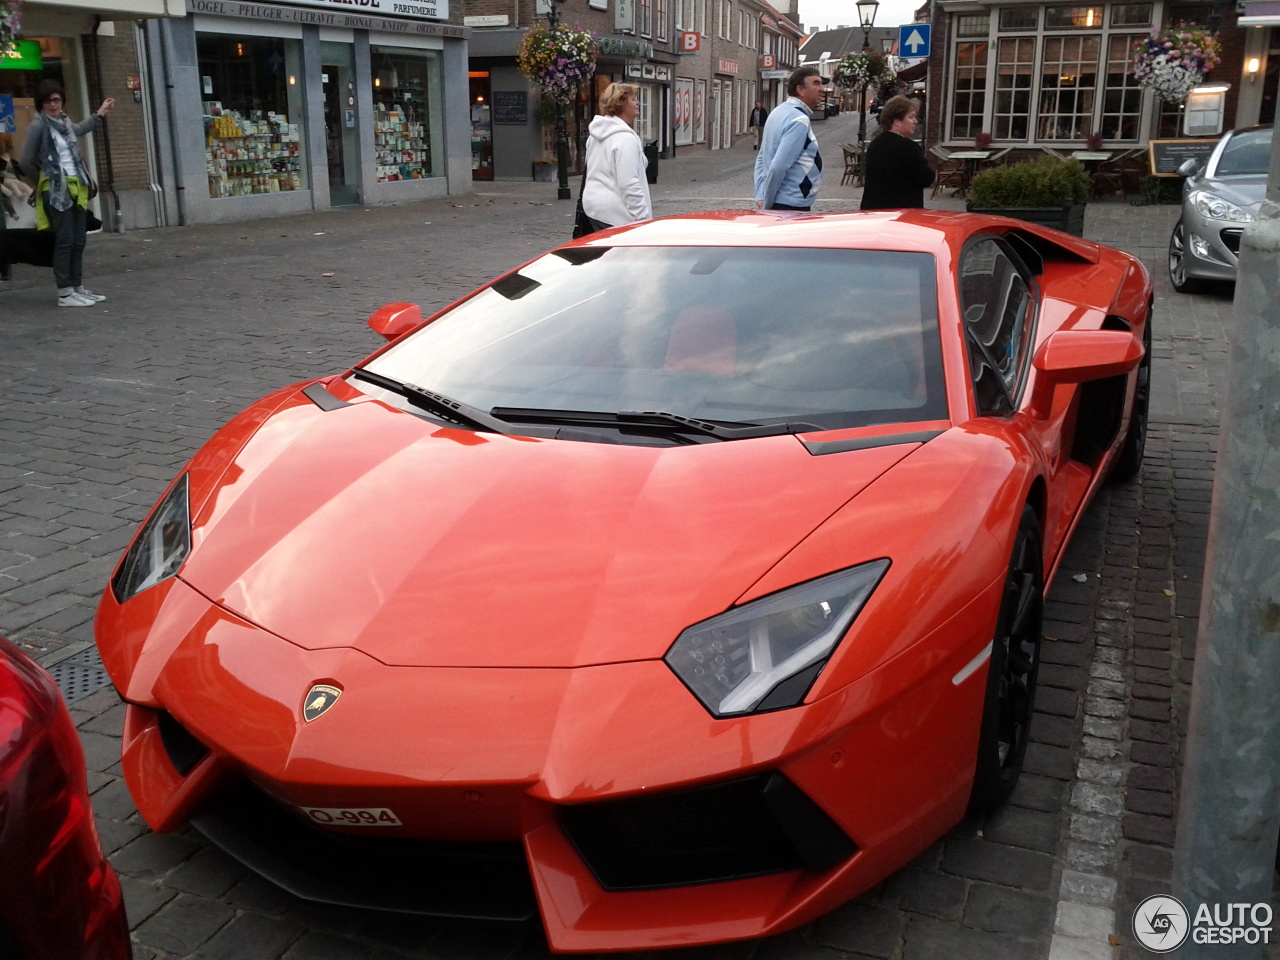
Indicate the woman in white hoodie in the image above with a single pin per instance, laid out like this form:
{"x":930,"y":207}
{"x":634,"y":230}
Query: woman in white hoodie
{"x":616,"y":190}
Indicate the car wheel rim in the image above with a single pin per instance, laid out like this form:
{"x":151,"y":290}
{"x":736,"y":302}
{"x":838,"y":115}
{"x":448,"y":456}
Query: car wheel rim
{"x":1142,"y":391}
{"x":1021,"y":648}
{"x":1177,"y":258}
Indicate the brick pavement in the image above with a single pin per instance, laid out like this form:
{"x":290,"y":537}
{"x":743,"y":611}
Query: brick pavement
{"x":103,"y":406}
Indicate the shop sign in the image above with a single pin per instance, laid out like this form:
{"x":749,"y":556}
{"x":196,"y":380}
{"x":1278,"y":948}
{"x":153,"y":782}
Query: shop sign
{"x":663,"y":73}
{"x":774,"y":74}
{"x":724,"y":65}
{"x":624,"y":15}
{"x":379,"y":20}
{"x":498,"y":20}
{"x":633,"y":69}
{"x":690,"y":41}
{"x":766,"y":61}
{"x":624,"y":48}
{"x":598,"y":4}
{"x":21,"y":55}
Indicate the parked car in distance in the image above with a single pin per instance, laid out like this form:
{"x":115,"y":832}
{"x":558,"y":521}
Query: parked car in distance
{"x":623,"y":590}
{"x":1218,"y":201}
{"x":59,"y":898}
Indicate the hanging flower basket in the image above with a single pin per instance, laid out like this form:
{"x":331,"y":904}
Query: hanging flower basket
{"x":557,"y":61}
{"x":10,"y":21}
{"x":868,"y":68}
{"x":1173,"y":62}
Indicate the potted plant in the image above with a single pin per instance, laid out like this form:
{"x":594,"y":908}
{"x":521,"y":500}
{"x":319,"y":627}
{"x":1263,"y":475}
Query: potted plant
{"x":1048,"y":191}
{"x":1172,"y":63}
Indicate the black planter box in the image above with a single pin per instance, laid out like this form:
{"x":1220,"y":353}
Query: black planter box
{"x":1068,"y":219}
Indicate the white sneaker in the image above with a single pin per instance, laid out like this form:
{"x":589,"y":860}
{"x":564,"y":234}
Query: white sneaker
{"x":95,"y":297}
{"x":74,"y":299}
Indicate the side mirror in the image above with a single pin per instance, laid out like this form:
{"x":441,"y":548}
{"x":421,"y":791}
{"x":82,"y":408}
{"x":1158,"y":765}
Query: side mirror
{"x":393,"y":320}
{"x":1188,"y":167}
{"x":1077,"y":356}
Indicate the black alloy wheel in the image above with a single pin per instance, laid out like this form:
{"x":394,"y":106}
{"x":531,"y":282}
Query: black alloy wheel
{"x":1128,"y":461}
{"x":1011,"y":673}
{"x":1178,"y":262}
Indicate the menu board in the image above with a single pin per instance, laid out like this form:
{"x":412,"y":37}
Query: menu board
{"x":510,"y":106}
{"x":1165,"y":156}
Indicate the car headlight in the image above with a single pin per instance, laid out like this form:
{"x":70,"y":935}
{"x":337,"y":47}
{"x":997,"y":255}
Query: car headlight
{"x":159,"y":548}
{"x":1215,"y":208}
{"x":765,"y":654}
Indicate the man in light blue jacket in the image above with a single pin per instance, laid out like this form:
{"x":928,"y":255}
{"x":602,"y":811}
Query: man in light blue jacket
{"x":788,"y":166}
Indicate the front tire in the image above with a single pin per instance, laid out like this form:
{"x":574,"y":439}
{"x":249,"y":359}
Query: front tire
{"x":1178,"y":262}
{"x":1011,"y":673}
{"x":1129,"y":460}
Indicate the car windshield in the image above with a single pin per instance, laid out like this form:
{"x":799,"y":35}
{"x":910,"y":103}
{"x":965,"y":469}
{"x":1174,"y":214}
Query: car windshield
{"x":1245,"y":154}
{"x":726,"y":334}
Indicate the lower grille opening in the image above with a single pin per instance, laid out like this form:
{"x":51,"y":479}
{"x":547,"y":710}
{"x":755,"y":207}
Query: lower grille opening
{"x":725,"y":831}
{"x":183,"y":749}
{"x":482,"y":881}
{"x":1231,"y":239}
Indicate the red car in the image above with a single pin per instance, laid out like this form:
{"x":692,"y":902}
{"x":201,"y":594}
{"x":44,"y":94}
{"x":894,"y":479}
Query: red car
{"x":59,"y":898}
{"x":679,"y":585}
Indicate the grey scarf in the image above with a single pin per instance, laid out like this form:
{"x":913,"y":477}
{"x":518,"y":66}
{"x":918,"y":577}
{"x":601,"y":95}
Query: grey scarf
{"x":47,"y":159}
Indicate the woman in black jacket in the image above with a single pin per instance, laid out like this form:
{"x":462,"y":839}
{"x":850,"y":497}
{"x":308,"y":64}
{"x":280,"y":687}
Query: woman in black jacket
{"x":896,"y":170}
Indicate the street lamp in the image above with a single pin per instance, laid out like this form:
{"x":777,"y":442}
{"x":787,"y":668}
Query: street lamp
{"x":867,"y":18}
{"x":562,"y":135}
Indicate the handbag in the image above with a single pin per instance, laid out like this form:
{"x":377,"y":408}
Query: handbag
{"x":91,"y":185}
{"x":582,"y":224}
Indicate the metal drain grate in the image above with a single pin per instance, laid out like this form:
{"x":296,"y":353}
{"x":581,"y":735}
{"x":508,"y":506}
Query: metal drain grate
{"x":80,"y":675}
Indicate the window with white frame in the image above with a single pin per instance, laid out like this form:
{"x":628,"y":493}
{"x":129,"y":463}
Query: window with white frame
{"x":702,"y":20}
{"x":1121,"y":97}
{"x":660,"y":19}
{"x":644,"y":18}
{"x":1050,"y":74}
{"x":970,"y":100}
{"x":1068,"y":85}
{"x":1015,"y":63}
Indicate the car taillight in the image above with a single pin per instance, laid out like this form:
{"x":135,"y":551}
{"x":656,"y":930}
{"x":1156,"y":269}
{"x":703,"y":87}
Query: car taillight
{"x":56,"y":889}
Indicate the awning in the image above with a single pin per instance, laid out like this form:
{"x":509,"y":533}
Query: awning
{"x":1260,"y":13}
{"x":912,"y":74}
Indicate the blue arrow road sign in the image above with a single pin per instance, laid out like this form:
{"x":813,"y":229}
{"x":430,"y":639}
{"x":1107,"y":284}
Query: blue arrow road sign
{"x":913,"y":40}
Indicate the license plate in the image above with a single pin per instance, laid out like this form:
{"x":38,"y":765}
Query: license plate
{"x":352,"y":816}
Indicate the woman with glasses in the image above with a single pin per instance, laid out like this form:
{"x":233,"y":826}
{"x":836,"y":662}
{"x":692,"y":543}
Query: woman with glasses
{"x":52,"y":158}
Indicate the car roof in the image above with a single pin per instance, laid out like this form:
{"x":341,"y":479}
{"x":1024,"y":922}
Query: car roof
{"x":938,"y":232}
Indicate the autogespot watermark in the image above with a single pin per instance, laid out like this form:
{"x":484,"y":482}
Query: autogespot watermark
{"x":1161,"y":923}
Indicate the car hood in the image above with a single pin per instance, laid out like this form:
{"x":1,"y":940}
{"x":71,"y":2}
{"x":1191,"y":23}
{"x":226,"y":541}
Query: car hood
{"x":372,"y":528}
{"x":1245,"y":192}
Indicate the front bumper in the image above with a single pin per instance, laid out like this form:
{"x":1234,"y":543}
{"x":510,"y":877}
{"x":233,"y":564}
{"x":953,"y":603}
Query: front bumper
{"x":1212,"y":247}
{"x":514,"y":787}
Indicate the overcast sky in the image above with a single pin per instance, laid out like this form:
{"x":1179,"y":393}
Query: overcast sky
{"x":828,"y":14}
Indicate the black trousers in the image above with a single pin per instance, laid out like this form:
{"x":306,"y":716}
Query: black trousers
{"x":69,"y":234}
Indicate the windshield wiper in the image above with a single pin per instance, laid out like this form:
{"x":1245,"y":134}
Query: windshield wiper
{"x":437,"y":403}
{"x":650,"y":419}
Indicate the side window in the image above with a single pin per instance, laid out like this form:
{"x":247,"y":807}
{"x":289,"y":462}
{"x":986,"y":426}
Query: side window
{"x":998,"y":302}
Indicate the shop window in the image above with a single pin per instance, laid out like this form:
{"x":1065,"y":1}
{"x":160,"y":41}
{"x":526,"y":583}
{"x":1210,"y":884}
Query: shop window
{"x":971,"y":90}
{"x":1019,"y":18}
{"x":1014,"y":70}
{"x":252,"y":113}
{"x":406,"y":111}
{"x":1068,"y":82}
{"x":1073,"y":17}
{"x":1121,"y":97}
{"x":1131,"y":15}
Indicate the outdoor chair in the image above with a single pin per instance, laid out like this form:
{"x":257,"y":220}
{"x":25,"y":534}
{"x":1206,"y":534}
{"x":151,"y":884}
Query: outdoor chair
{"x":852,"y":163}
{"x":951,"y":173}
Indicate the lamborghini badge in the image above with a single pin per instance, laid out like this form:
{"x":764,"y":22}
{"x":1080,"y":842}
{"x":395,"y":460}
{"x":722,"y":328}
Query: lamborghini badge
{"x":319,"y":699}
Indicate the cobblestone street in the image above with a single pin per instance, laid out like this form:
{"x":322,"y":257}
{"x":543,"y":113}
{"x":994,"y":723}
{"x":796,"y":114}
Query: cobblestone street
{"x":103,"y":407}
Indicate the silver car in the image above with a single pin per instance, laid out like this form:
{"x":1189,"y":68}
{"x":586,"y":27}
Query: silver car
{"x":1218,"y":200}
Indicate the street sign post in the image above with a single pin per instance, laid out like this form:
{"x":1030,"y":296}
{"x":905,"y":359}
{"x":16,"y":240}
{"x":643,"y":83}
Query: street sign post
{"x":913,"y":40}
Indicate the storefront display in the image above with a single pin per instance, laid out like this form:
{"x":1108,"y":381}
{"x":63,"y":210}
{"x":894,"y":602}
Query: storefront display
{"x":247,"y":156}
{"x":251,"y":147}
{"x":405,"y":106}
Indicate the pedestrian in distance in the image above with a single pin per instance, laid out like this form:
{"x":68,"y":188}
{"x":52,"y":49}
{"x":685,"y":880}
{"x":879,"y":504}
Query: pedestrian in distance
{"x":758,"y":116}
{"x":51,"y":158}
{"x":616,"y":190}
{"x":788,"y":165}
{"x":896,"y":170}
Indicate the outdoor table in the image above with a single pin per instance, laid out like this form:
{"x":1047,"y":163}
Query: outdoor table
{"x":971,"y":160}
